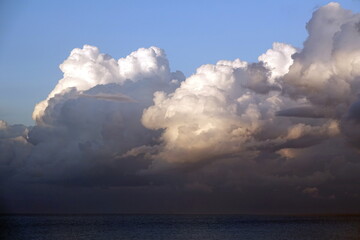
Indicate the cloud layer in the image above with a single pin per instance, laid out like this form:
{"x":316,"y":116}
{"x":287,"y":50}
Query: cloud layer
{"x":232,"y":133}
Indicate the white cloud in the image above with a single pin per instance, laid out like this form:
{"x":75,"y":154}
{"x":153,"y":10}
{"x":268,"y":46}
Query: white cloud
{"x":326,"y":71}
{"x":278,"y":59}
{"x":87,"y":67}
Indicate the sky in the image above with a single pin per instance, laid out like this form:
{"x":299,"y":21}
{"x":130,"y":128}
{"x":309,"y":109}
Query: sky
{"x":37,"y":36}
{"x":180,"y":107}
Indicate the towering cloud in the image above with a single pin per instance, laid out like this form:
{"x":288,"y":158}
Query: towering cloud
{"x":233,"y":132}
{"x":326,"y":71}
{"x":87,"y":67}
{"x":216,"y":111}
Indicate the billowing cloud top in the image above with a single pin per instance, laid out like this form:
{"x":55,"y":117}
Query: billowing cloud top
{"x":289,"y":122}
{"x":87,"y":67}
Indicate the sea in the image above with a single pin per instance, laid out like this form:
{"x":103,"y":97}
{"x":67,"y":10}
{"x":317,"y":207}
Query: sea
{"x":182,"y":227}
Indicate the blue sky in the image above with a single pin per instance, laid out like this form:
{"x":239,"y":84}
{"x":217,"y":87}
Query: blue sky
{"x":37,"y":36}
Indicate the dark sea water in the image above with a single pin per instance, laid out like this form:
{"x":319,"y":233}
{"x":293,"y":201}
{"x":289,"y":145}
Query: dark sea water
{"x":172,"y":227}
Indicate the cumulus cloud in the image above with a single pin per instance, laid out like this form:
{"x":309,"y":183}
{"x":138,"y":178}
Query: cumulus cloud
{"x":213,"y":112}
{"x":231,"y":107}
{"x":86,"y":68}
{"x":280,"y":126}
{"x":94,"y":113}
{"x":278,"y":59}
{"x":326,"y":71}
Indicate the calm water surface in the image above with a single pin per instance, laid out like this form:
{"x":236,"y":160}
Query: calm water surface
{"x":173,"y":227}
